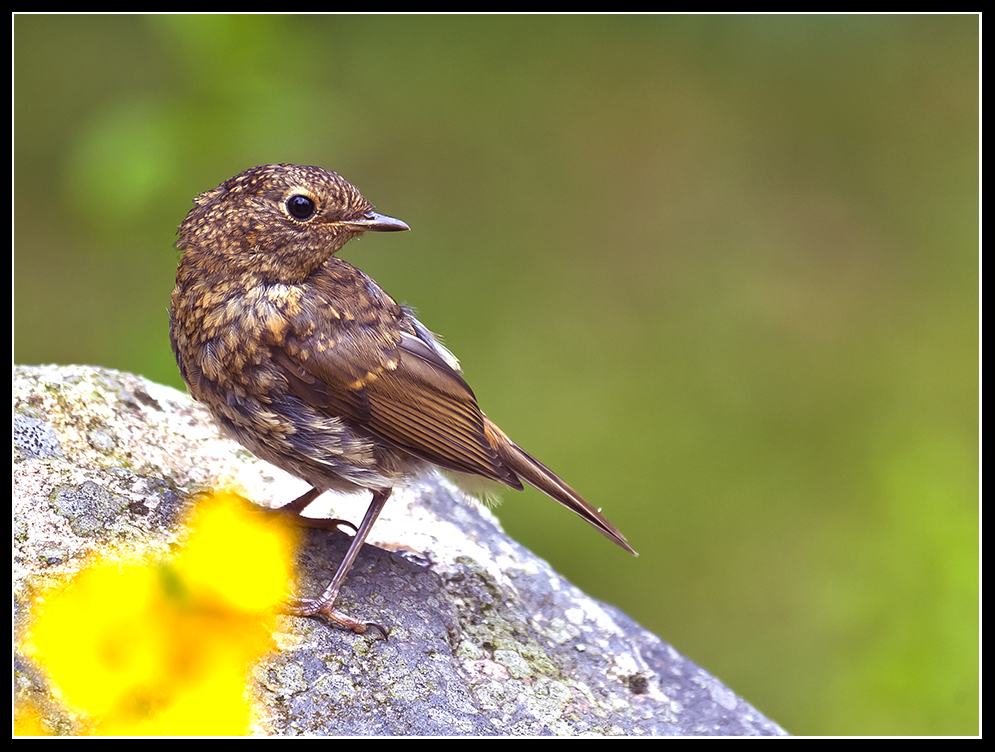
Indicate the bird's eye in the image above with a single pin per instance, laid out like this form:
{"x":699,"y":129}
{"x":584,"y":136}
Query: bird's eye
{"x":301,"y":207}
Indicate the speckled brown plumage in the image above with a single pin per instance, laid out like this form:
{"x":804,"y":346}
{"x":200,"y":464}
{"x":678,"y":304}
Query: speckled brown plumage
{"x":305,"y":361}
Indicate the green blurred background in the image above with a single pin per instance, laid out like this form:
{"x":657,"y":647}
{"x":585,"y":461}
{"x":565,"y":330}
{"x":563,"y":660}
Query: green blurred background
{"x":721,"y":273}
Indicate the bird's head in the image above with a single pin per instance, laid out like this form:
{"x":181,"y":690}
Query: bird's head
{"x":279,"y":221}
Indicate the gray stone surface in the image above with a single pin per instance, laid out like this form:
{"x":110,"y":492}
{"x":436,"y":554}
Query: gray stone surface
{"x":485,"y":638}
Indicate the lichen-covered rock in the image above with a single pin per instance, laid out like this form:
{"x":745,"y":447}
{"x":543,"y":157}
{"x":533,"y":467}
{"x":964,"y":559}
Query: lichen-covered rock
{"x":485,"y":638}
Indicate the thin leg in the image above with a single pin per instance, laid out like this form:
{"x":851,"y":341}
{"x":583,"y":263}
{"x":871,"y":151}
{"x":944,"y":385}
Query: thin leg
{"x":323,"y":603}
{"x":298,"y":505}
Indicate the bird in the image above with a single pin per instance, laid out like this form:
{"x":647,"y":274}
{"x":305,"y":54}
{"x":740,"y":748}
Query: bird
{"x":305,"y":361}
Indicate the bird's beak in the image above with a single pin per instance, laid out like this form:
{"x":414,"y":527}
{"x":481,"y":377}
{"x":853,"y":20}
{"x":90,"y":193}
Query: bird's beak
{"x":374,"y":222}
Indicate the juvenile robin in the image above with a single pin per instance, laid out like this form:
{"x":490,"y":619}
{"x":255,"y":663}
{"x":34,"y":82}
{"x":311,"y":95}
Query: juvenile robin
{"x":306,"y":362}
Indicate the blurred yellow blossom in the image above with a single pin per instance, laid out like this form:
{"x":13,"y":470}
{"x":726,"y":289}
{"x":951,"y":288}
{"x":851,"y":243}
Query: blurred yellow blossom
{"x":164,"y":648}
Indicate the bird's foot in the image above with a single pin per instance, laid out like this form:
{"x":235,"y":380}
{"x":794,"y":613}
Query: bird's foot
{"x":315,"y":606}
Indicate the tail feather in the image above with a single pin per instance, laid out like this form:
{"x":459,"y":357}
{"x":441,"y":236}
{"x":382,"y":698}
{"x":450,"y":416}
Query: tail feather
{"x":533,"y":472}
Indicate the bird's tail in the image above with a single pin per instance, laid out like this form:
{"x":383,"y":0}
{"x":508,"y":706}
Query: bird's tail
{"x":533,"y":472}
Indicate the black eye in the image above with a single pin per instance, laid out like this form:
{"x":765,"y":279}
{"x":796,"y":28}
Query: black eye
{"x":301,"y":207}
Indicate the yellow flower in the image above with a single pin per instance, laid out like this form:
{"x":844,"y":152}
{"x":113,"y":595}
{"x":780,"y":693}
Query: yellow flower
{"x":150,"y":648}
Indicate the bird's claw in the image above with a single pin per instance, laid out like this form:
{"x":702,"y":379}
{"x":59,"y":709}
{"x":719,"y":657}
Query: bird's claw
{"x":315,"y":606}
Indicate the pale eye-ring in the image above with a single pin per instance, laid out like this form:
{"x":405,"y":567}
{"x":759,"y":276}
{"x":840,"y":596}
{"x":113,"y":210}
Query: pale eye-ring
{"x":301,"y":207}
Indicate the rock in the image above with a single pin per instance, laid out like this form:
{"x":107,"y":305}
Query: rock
{"x":485,"y":638}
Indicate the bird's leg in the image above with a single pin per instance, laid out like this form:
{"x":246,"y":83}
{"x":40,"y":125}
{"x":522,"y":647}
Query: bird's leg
{"x":323,"y":603}
{"x":298,"y":505}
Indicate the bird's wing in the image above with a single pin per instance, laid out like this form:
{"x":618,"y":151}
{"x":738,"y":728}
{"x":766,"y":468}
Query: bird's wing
{"x":379,"y":370}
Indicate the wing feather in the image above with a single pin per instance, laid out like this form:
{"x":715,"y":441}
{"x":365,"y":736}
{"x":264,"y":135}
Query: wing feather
{"x":386,"y":377}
